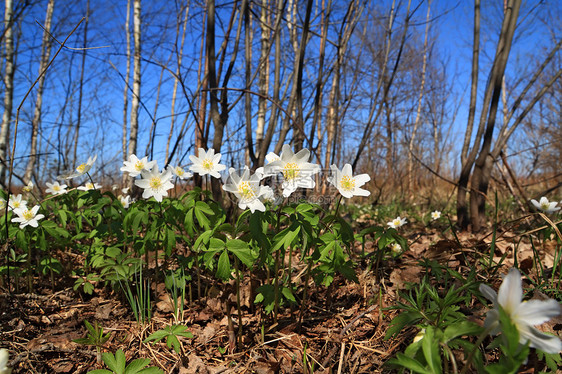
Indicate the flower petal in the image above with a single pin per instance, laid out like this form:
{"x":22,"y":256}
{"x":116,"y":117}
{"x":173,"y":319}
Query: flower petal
{"x":488,"y":293}
{"x":535,"y":312}
{"x":511,"y":292}
{"x":539,"y":340}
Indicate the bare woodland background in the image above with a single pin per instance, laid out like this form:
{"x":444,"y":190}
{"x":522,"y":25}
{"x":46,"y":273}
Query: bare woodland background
{"x":378,"y":84}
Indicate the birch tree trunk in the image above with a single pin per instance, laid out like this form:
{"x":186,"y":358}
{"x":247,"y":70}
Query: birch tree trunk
{"x":125,"y":177}
{"x":81,"y":84}
{"x":45,"y":56}
{"x":176,"y":78}
{"x":135,"y":101}
{"x":417,"y":121}
{"x":9,"y":90}
{"x":263,"y":80}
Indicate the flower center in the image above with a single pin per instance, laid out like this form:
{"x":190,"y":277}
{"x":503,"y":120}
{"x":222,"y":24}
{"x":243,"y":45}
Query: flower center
{"x":347,"y":183}
{"x":155,"y":183}
{"x":246,"y":190}
{"x":139,"y":165}
{"x":81,"y":168}
{"x":16,"y":204}
{"x":396,"y":222}
{"x":27,"y":214}
{"x":56,"y":188}
{"x":207,"y":164}
{"x":179,"y":171}
{"x":291,"y":171}
{"x":545,"y":206}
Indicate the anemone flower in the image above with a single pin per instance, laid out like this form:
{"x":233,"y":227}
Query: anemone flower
{"x":134,"y":166}
{"x":155,"y":183}
{"x":297,"y":171}
{"x":346,"y":183}
{"x":545,"y":206}
{"x":523,"y":314}
{"x":247,"y":189}
{"x":207,"y":163}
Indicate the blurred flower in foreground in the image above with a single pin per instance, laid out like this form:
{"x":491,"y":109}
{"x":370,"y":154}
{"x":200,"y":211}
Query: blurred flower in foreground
{"x":247,"y":189}
{"x":28,"y":187}
{"x":397,"y":222}
{"x":55,"y":188}
{"x":125,"y":200}
{"x":155,"y":183}
{"x":523,"y":314}
{"x":297,"y":171}
{"x":134,"y":166}
{"x":346,"y":183}
{"x":4,"y":356}
{"x":16,"y":202}
{"x":435,"y":215}
{"x":90,"y":186}
{"x":180,"y":173}
{"x":544,"y":205}
{"x":27,"y":216}
{"x":80,"y":170}
{"x":207,"y":163}
{"x":396,"y":248}
{"x":2,"y":203}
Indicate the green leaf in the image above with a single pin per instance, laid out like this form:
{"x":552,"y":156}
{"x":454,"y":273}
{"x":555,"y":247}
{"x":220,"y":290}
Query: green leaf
{"x":137,"y":365}
{"x":223,"y":267}
{"x":430,"y":348}
{"x":100,"y":371}
{"x":409,"y":363}
{"x":461,"y":328}
{"x":241,"y":250}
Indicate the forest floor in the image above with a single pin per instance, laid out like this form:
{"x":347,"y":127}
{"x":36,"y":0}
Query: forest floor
{"x":342,"y":331}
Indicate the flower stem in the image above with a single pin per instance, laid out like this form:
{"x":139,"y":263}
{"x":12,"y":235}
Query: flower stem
{"x":470,"y":357}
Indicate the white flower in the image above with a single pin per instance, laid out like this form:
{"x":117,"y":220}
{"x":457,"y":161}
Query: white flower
{"x":155,"y":183}
{"x":89,"y":186}
{"x":297,"y":171}
{"x":80,"y":170}
{"x":27,"y":216}
{"x":4,"y":356}
{"x":125,"y":200}
{"x":346,"y":183}
{"x":125,"y":190}
{"x":207,"y":163}
{"x":134,"y":166}
{"x":545,"y":206}
{"x":16,"y":202}
{"x":396,"y":248}
{"x":419,"y":336}
{"x":267,"y":194}
{"x":2,"y":204}
{"x":247,"y":189}
{"x":397,"y":222}
{"x":435,"y":215}
{"x":29,"y":187}
{"x":522,"y":314}
{"x":180,"y":173}
{"x":55,"y":188}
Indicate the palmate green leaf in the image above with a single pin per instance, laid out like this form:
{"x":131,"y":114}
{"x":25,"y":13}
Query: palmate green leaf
{"x":137,"y":365}
{"x":116,"y":363}
{"x":100,"y":371}
{"x":402,"y":320}
{"x":223,"y":267}
{"x":241,"y":250}
{"x":409,"y":363}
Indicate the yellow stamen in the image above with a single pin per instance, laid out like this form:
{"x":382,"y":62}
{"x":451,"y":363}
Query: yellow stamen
{"x":139,"y":165}
{"x":246,"y":190}
{"x":155,"y":183}
{"x":27,"y":214}
{"x":207,"y":164}
{"x":291,"y":171}
{"x":347,"y":183}
{"x":81,"y":168}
